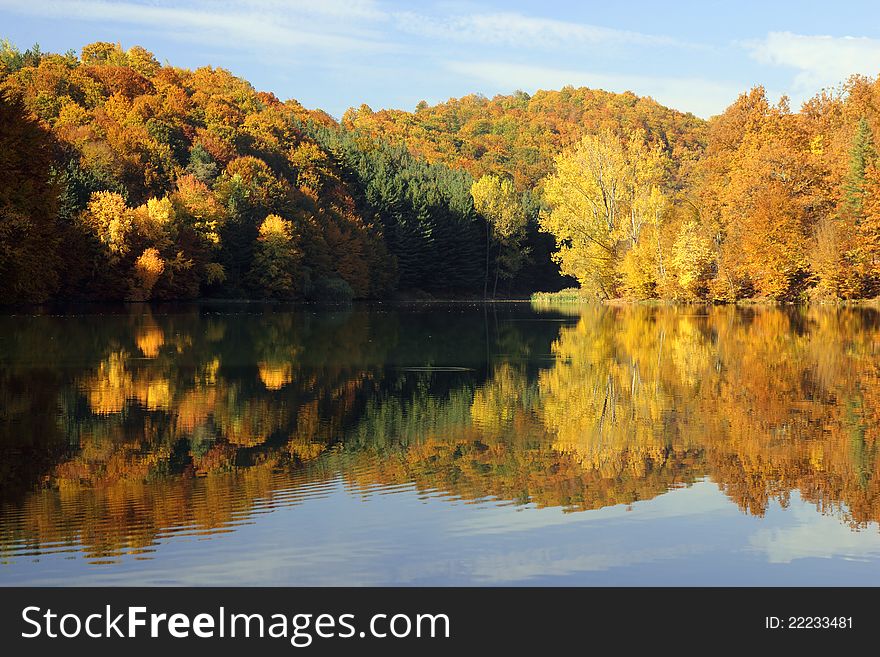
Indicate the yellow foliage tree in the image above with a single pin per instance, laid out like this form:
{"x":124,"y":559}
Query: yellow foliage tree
{"x":275,"y":259}
{"x":112,"y":220}
{"x":147,"y":270}
{"x":692,"y":259}
{"x":497,"y":201}
{"x":153,"y":219}
{"x":602,"y":193}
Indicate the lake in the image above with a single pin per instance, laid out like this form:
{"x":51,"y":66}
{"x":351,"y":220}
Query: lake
{"x":440,"y":444}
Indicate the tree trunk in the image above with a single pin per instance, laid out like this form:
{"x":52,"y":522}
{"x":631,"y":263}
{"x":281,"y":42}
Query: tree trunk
{"x":486,"y":277}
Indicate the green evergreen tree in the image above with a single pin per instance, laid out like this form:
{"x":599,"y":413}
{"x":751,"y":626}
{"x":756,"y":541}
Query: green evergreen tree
{"x":201,"y":164}
{"x":862,"y":154}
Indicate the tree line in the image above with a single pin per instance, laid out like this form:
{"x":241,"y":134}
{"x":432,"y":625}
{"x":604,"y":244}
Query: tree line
{"x":644,"y":202}
{"x":125,"y":179}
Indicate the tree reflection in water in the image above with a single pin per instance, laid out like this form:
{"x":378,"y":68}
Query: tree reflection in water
{"x":123,"y":427}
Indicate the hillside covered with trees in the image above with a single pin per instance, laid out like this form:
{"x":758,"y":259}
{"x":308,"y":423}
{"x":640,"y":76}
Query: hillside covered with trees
{"x":125,"y":179}
{"x":645,"y":202}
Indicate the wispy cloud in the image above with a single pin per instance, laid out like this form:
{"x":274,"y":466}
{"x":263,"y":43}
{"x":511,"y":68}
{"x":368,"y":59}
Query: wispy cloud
{"x":820,"y":61}
{"x":340,"y":9}
{"x":815,"y":535}
{"x":520,"y":31}
{"x":323,"y":24}
{"x":337,"y":26}
{"x":699,"y":96}
{"x":385,"y":47}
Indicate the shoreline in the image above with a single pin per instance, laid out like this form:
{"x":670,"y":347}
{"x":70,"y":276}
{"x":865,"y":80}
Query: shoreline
{"x":569,"y":298}
{"x":541,"y":298}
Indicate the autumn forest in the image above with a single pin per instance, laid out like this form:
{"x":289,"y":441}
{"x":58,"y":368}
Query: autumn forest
{"x":125,"y":179}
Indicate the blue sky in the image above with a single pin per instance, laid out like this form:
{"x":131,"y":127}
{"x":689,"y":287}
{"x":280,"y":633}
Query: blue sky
{"x":334,"y":54}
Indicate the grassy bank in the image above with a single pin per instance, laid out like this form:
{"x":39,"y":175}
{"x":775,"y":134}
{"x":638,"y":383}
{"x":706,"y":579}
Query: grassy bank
{"x":575,"y":295}
{"x":568,"y":295}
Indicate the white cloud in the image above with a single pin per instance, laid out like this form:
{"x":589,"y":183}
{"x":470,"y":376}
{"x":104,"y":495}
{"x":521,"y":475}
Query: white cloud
{"x":540,"y":563}
{"x":702,"y":97}
{"x":343,"y":36}
{"x":343,"y":9}
{"x":324,"y":25}
{"x":517,"y":30}
{"x":821,"y":61}
{"x":699,"y":498}
{"x":333,"y":22}
{"x":816,"y":536}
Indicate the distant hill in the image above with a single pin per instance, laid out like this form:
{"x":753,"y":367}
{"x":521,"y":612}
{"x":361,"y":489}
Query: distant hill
{"x":519,"y":135}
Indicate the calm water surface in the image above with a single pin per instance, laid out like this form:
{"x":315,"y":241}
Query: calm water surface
{"x":440,"y":444}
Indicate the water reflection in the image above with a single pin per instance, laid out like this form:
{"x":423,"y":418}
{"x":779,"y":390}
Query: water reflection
{"x":125,"y":428}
